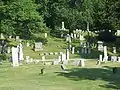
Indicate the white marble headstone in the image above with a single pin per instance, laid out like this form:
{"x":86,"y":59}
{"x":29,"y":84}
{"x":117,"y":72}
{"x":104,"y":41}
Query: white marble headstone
{"x":15,"y":56}
{"x":73,"y":50}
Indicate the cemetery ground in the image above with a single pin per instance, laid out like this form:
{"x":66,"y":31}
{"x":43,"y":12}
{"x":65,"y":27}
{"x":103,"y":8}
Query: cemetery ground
{"x":91,"y":77}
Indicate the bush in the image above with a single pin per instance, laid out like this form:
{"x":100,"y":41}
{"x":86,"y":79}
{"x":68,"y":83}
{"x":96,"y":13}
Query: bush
{"x":107,"y":36}
{"x":3,"y":57}
{"x":39,"y":39}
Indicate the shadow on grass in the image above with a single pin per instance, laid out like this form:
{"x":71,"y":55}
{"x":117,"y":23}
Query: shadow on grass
{"x":104,"y":74}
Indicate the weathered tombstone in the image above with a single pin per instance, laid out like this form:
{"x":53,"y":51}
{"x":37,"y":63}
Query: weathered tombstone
{"x":2,"y":36}
{"x":43,"y":58}
{"x":105,"y":54}
{"x":70,"y":47}
{"x":81,"y":63}
{"x":59,"y":58}
{"x":56,"y":62}
{"x":15,"y":56}
{"x":67,"y":54}
{"x":38,"y":46}
{"x":118,"y":33}
{"x":17,"y":38}
{"x":0,"y":49}
{"x":81,"y":37}
{"x":10,"y":37}
{"x":27,"y":59}
{"x":114,"y":49}
{"x":31,"y":60}
{"x":63,"y":26}
{"x":100,"y":45}
{"x":61,"y":35}
{"x":8,"y":50}
{"x":75,"y":36}
{"x":61,"y":53}
{"x":28,"y":44}
{"x":67,"y":37}
{"x":73,"y":50}
{"x":45,"y":35}
{"x":87,"y":26}
{"x":20,"y":52}
{"x":118,"y":59}
{"x":71,"y":35}
{"x":63,"y":57}
{"x":51,"y":53}
{"x":65,"y":62}
{"x":100,"y":59}
{"x":113,"y":58}
{"x":56,"y":53}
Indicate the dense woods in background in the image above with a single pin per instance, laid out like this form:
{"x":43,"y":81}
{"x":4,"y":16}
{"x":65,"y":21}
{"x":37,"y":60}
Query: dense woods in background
{"x":25,"y":17}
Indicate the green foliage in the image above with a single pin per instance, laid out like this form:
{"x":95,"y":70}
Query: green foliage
{"x":3,"y":57}
{"x":21,"y":18}
{"x":39,"y":39}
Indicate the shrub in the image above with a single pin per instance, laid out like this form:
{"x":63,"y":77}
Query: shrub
{"x":3,"y":57}
{"x":39,"y":39}
{"x":107,"y":36}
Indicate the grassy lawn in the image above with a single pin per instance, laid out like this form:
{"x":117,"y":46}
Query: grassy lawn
{"x":28,"y":77}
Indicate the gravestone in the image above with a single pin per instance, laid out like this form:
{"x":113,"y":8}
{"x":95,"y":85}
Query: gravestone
{"x":67,"y":54}
{"x":105,"y":54}
{"x":118,"y":33}
{"x":65,"y":62}
{"x":81,"y":63}
{"x":15,"y":57}
{"x":20,"y":52}
{"x":55,"y":53}
{"x":114,"y":49}
{"x":63,"y":26}
{"x":118,"y":59}
{"x":10,"y":37}
{"x":63,"y":57}
{"x":71,"y":35}
{"x":31,"y":60}
{"x":43,"y":58}
{"x":51,"y":53}
{"x":59,"y":58}
{"x":75,"y":36}
{"x":28,"y":44}
{"x":114,"y":58}
{"x":81,"y":38}
{"x":100,"y":59}
{"x":45,"y":35}
{"x":100,"y":45}
{"x":56,"y":62}
{"x":73,"y":50}
{"x":1,"y":49}
{"x":70,"y":47}
{"x":38,"y":46}
{"x":27,"y":59}
{"x":2,"y":36}
{"x":17,"y":38}
{"x":8,"y":50}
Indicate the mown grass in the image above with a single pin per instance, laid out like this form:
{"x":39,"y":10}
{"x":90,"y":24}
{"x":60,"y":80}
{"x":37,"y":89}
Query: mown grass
{"x":28,"y":77}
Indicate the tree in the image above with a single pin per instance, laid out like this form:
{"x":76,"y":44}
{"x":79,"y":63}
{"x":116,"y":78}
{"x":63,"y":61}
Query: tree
{"x":21,"y":17}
